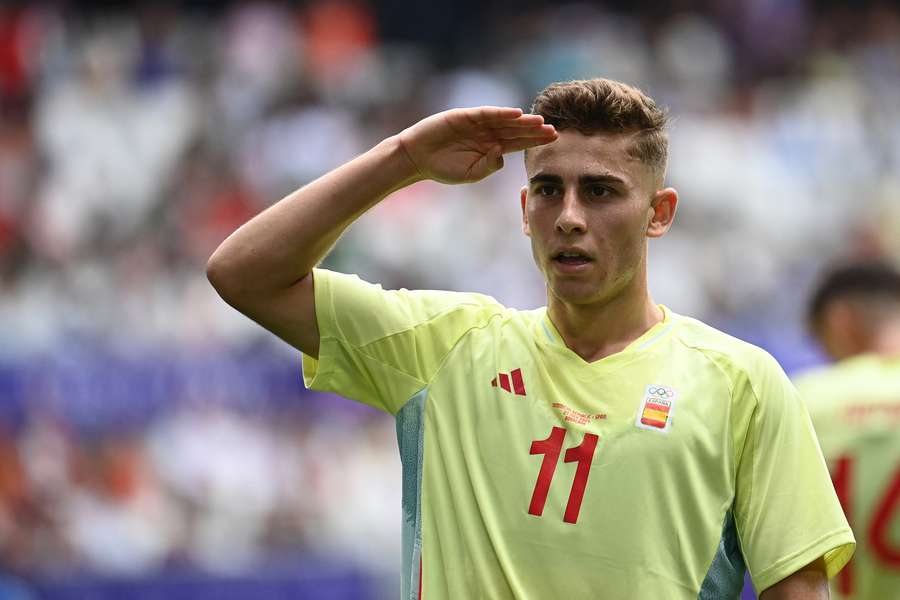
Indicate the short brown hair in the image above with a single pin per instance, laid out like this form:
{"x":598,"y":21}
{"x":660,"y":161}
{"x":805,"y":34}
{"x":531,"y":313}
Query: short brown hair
{"x":866,"y":280}
{"x":603,"y":105}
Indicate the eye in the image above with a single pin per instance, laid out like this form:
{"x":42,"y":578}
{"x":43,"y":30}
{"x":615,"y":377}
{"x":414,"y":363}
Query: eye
{"x":546,"y":190}
{"x":599,"y":191}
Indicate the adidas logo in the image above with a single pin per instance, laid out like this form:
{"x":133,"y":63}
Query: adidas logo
{"x":504,"y":380}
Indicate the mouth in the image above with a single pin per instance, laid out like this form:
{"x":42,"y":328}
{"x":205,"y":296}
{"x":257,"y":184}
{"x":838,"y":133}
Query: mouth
{"x":571,"y":258}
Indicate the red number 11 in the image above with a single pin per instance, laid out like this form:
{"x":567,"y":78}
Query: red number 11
{"x":550,"y":448}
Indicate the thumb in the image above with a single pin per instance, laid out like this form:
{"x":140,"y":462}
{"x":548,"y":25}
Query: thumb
{"x":494,"y":158}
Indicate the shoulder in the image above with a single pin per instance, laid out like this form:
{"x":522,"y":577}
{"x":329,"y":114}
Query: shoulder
{"x":824,"y":376}
{"x":754,"y":376}
{"x":847,"y":381}
{"x":427,"y":303}
{"x":736,"y":357}
{"x":758,"y":384}
{"x":360,"y":312}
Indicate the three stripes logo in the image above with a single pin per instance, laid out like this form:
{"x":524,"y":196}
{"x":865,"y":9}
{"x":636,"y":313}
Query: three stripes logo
{"x":656,"y":409}
{"x":511,"y":382}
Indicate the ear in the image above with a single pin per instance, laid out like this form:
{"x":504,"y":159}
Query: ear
{"x":662,"y":212}
{"x":523,"y":193}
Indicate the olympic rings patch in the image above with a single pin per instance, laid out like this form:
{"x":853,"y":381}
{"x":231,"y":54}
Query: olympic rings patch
{"x":660,"y":391}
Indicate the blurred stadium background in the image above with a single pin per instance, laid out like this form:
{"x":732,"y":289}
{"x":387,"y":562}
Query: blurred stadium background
{"x":155,"y":444}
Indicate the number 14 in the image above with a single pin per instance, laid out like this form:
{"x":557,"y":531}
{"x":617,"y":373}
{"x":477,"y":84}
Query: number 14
{"x":583,"y":454}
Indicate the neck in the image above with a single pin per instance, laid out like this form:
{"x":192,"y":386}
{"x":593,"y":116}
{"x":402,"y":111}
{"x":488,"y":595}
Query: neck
{"x":599,"y":329}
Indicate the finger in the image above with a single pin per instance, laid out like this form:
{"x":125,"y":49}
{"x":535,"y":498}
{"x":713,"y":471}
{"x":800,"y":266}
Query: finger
{"x":523,"y":143}
{"x":520,"y":121}
{"x":509,"y":133}
{"x":483,"y":114}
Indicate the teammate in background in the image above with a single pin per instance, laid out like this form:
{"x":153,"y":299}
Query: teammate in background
{"x":855,"y":406}
{"x":601,"y":447}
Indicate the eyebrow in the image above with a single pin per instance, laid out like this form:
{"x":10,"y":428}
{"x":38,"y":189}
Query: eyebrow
{"x":583,"y":180}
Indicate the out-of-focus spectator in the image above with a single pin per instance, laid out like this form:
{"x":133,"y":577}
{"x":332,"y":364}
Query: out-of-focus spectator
{"x":108,"y":145}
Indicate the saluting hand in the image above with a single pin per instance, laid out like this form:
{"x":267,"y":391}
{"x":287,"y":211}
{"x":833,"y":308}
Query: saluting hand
{"x":467,"y":144}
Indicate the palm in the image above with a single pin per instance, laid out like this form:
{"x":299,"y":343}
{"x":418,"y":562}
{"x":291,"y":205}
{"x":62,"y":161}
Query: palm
{"x":465,"y":145}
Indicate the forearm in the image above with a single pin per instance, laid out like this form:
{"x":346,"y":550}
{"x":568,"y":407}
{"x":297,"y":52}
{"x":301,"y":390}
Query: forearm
{"x":282,"y":244}
{"x":262,"y":268}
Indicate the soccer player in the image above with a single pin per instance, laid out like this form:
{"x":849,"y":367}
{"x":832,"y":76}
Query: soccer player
{"x":855,"y":406}
{"x":601,"y":447}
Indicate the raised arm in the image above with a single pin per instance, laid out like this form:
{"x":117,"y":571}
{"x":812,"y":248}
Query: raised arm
{"x":263,"y":268}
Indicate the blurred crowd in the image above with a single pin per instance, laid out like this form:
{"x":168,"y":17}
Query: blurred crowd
{"x":132,"y":142}
{"x":214,"y":489}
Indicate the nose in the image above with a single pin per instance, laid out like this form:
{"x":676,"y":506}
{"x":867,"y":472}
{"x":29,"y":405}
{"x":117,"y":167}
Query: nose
{"x":571,"y":217}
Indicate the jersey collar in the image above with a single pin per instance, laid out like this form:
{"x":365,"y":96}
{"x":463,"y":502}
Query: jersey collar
{"x":550,"y":336}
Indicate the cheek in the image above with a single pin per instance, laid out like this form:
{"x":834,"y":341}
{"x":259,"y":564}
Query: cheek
{"x":537,"y":221}
{"x":622,"y":233}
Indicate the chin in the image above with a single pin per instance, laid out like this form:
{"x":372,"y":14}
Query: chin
{"x":577,"y":292}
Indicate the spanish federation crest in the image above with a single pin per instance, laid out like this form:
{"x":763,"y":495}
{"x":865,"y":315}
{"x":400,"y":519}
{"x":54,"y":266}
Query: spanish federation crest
{"x":656,"y":409}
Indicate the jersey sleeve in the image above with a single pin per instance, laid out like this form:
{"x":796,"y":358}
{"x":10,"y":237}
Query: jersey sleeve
{"x":381,"y":347}
{"x":786,"y":509}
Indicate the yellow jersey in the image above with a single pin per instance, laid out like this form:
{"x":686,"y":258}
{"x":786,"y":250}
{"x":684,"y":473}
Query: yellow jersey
{"x":855,"y":406}
{"x":528,"y":473}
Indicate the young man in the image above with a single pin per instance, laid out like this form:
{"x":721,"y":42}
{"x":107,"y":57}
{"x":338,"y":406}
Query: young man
{"x":855,"y":405}
{"x":601,"y":447}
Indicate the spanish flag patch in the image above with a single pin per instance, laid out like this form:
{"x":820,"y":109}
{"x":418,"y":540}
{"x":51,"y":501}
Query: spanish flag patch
{"x":656,"y":409}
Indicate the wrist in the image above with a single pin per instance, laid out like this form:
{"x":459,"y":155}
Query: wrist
{"x":399,"y":163}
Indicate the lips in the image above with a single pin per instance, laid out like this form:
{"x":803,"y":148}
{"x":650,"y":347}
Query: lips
{"x":571,"y":261}
{"x":572,"y":256}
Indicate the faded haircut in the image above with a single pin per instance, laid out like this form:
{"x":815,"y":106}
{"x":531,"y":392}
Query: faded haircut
{"x":870,"y":281}
{"x":605,"y":106}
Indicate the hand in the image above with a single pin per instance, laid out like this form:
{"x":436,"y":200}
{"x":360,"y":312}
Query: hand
{"x":467,"y":144}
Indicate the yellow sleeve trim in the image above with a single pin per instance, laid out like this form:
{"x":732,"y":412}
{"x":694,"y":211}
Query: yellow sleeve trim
{"x":836,"y":547}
